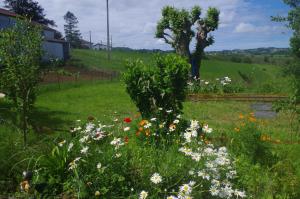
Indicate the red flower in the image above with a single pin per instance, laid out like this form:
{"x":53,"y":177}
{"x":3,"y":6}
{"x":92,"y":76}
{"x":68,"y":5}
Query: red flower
{"x":127,"y":120}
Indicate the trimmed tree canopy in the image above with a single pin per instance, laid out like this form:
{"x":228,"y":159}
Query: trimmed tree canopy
{"x":175,"y":28}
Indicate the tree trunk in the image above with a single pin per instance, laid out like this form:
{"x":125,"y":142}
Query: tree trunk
{"x":196,"y":64}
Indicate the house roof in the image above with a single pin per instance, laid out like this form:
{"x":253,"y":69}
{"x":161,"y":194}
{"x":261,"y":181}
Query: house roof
{"x":98,"y":44}
{"x":7,"y":13}
{"x":12,"y":14}
{"x":56,"y":40}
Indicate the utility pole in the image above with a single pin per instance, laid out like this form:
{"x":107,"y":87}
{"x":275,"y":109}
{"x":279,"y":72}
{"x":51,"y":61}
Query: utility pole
{"x":90,"y":39}
{"x":108,"y":43}
{"x":111,"y":42}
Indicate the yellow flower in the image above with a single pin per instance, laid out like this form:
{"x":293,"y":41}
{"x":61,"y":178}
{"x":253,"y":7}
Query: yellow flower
{"x":263,"y":138}
{"x":252,"y":119}
{"x":147,"y":132}
{"x":97,"y":193}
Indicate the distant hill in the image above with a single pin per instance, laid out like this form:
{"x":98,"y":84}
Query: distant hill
{"x":255,"y":51}
{"x":140,"y":50}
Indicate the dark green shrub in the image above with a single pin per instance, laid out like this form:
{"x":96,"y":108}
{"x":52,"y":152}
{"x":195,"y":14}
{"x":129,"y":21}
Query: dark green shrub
{"x":162,"y":86}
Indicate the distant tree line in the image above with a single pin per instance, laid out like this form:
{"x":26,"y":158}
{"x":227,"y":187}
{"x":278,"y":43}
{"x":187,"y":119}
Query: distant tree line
{"x":280,"y":60}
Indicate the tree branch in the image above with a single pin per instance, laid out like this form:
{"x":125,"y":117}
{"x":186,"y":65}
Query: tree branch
{"x":168,"y":35}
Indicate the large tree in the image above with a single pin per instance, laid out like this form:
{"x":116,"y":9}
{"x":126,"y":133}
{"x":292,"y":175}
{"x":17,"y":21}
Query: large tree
{"x":30,"y":9}
{"x":71,"y":30}
{"x":176,"y":28}
{"x":293,"y":22}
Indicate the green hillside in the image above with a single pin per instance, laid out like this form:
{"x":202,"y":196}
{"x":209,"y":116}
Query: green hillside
{"x":266,"y":78}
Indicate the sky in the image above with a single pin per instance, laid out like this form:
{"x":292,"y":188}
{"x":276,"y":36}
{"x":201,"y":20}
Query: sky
{"x":244,"y":24}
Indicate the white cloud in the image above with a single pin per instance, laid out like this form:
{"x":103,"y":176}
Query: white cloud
{"x":244,"y":27}
{"x":251,"y":28}
{"x":160,"y":41}
{"x":133,"y":21}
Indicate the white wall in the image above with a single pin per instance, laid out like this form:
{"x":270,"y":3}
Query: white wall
{"x":53,"y":50}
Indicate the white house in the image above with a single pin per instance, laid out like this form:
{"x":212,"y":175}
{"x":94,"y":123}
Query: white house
{"x":53,"y":48}
{"x":99,"y":46}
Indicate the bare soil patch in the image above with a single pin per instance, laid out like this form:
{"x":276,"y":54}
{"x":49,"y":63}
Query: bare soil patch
{"x":78,"y":74}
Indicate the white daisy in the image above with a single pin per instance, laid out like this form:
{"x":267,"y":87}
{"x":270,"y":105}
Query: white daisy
{"x":84,"y":150}
{"x":70,"y":146}
{"x":126,"y":129}
{"x":156,"y":178}
{"x":143,"y":195}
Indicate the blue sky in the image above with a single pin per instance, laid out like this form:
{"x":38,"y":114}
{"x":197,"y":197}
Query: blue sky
{"x":244,"y":23}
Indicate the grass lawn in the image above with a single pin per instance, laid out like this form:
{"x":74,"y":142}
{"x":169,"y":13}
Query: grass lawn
{"x":102,"y":99}
{"x":61,"y":107}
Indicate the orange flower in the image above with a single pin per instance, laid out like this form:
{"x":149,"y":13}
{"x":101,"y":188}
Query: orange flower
{"x":143,"y":122}
{"x":126,"y":140}
{"x":137,"y":115}
{"x":141,"y":129}
{"x":207,"y":142}
{"x":241,"y":116}
{"x":172,"y":127}
{"x":138,"y":133}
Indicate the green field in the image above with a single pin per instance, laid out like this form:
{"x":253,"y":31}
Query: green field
{"x":266,"y":78}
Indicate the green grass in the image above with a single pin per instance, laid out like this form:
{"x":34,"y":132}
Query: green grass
{"x":266,"y":78}
{"x":98,"y":59}
{"x":61,"y":107}
{"x":102,"y":99}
